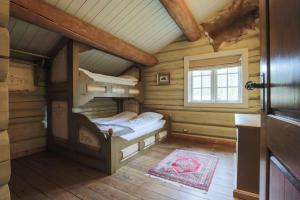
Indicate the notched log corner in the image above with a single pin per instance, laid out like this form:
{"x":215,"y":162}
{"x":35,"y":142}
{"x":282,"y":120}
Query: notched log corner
{"x":232,"y":22}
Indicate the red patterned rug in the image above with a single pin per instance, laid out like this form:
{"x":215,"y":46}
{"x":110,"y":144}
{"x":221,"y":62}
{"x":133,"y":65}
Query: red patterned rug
{"x":188,"y":168}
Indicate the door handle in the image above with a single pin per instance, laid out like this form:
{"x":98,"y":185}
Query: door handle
{"x":250,"y":85}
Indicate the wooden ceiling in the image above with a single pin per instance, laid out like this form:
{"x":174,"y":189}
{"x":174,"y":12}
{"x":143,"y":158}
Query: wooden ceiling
{"x":143,"y":23}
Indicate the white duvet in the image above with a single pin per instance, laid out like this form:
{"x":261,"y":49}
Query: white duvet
{"x":128,"y":127}
{"x":118,"y":118}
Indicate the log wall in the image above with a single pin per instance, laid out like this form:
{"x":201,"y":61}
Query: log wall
{"x":98,"y":107}
{"x":5,"y":169}
{"x":27,"y":115}
{"x":215,"y":122}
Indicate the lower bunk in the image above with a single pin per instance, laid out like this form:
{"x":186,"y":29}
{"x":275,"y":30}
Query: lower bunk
{"x":104,"y":148}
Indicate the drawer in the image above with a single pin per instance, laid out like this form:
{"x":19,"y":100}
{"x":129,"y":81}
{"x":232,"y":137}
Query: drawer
{"x":149,"y":141}
{"x":129,"y":151}
{"x":162,"y":135}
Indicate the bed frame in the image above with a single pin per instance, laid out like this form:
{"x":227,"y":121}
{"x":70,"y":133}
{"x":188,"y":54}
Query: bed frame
{"x":106,"y":152}
{"x":72,"y":134}
{"x":89,"y":88}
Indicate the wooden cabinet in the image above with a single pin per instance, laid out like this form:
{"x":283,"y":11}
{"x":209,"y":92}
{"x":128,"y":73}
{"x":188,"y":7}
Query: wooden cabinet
{"x":247,"y":156}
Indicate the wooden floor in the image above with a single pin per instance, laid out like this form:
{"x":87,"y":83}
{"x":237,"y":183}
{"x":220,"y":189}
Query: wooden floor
{"x":49,"y":176}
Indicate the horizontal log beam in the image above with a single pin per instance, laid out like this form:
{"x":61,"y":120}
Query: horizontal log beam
{"x":183,"y":17}
{"x":83,"y":48}
{"x":51,"y":18}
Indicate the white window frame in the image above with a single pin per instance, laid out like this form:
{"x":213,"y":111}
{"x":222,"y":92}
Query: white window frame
{"x":244,"y":76}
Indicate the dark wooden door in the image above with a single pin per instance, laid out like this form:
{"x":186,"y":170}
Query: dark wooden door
{"x":280,"y":68}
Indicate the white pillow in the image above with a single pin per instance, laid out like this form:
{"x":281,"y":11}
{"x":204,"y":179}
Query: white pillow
{"x":150,"y":116}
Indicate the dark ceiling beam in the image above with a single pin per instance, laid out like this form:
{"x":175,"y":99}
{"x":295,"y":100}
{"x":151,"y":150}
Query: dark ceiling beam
{"x":84,"y":48}
{"x":183,"y":17}
{"x":51,"y":18}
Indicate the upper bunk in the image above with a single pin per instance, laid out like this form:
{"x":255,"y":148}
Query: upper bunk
{"x":92,"y":85}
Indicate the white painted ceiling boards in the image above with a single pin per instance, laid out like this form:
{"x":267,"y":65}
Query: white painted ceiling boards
{"x":143,"y":23}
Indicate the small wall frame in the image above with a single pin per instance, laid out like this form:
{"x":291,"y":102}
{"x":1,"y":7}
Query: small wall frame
{"x":163,"y":78}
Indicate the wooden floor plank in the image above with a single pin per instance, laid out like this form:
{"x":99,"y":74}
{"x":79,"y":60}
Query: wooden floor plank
{"x":33,"y":179}
{"x":50,"y":176}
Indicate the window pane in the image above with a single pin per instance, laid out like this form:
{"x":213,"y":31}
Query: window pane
{"x":206,"y":81}
{"x":221,"y":80}
{"x":222,"y":94}
{"x":206,"y":72}
{"x":233,"y":80}
{"x":196,"y":73}
{"x":222,"y":71}
{"x":233,"y":94}
{"x":196,"y":95}
{"x":206,"y":94}
{"x":233,"y":69}
{"x":216,"y":85}
{"x":197,"y":82}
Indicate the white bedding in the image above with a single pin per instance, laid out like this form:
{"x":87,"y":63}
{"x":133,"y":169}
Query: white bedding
{"x":122,"y":80}
{"x":132,"y":129}
{"x":144,"y":130}
{"x":118,"y":118}
{"x":129,"y":126}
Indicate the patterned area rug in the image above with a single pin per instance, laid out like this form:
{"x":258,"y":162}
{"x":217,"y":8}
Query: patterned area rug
{"x":188,"y":168}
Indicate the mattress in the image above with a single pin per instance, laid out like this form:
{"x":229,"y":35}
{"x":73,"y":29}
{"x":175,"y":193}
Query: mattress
{"x":121,"y":80}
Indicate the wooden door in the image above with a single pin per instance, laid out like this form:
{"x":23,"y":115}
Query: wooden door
{"x":280,"y":68}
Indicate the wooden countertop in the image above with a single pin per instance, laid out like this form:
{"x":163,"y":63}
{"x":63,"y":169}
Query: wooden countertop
{"x":247,"y":120}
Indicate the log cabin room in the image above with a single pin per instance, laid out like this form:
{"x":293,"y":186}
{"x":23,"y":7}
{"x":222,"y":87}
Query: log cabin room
{"x":149,"y":99}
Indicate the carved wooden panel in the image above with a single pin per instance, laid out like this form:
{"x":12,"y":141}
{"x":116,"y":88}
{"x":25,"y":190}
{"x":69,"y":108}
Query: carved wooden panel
{"x":89,"y":139}
{"x":21,"y":77}
{"x":59,"y":117}
{"x":59,"y":67}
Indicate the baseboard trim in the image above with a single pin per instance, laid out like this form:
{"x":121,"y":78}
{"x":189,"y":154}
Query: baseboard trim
{"x":205,"y":139}
{"x":244,"y":195}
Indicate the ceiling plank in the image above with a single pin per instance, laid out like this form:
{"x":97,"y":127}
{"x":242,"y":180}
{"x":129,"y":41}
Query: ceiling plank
{"x":183,"y":17}
{"x":51,"y":18}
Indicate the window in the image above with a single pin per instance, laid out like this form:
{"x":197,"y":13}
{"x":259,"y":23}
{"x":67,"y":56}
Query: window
{"x":216,"y":80}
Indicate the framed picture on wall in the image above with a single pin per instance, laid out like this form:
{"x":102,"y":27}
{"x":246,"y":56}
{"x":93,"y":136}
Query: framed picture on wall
{"x":163,"y":78}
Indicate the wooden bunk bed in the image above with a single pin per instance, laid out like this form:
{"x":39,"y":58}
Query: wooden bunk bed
{"x":91,"y":85}
{"x":107,"y":152}
{"x":74,"y":134}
